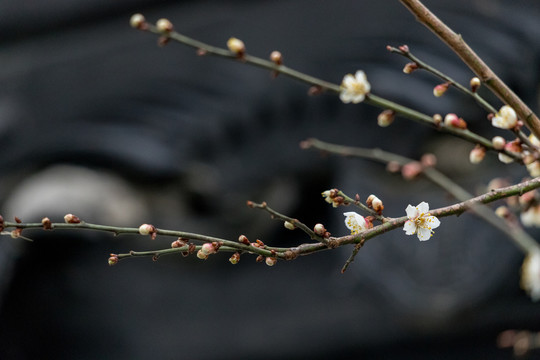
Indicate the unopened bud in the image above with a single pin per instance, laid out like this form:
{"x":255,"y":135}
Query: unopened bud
{"x":440,"y":89}
{"x":164,"y":26}
{"x":289,"y":225}
{"x":428,"y":160}
{"x":235,"y":258}
{"x":46,"y":222}
{"x":236,"y":46}
{"x":411,"y":170}
{"x":498,"y":142}
{"x":475,"y":84}
{"x":271,"y":261}
{"x":375,"y":203}
{"x":454,"y":121}
{"x":137,"y":21}
{"x":71,"y":219}
{"x":113,"y":259}
{"x":201,"y":255}
{"x":208,"y":249}
{"x":437,"y":119}
{"x":319,"y":229}
{"x":477,"y":154}
{"x":503,"y":212}
{"x":147,"y":229}
{"x":243,"y":239}
{"x":276,"y":57}
{"x":410,"y":67}
{"x":386,"y":118}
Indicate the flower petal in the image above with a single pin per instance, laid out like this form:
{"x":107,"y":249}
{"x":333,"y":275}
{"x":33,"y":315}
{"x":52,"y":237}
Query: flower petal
{"x":432,"y":222}
{"x":423,"y":207}
{"x":423,"y":234}
{"x":411,"y":211}
{"x":409,"y":227}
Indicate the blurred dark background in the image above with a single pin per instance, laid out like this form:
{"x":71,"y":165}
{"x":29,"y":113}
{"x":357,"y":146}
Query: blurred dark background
{"x":97,"y":120}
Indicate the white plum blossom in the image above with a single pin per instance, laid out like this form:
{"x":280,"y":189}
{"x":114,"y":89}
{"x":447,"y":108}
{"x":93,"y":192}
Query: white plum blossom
{"x":355,"y":222}
{"x":354,"y":88}
{"x":420,"y":221}
{"x":506,"y":118}
{"x":530,"y":275}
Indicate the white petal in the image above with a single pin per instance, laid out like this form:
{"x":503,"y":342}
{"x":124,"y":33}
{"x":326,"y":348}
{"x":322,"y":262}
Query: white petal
{"x":423,"y":207}
{"x":358,"y":98}
{"x":423,"y":234}
{"x":433,"y":222}
{"x":345,"y":96}
{"x":411,"y":211}
{"x":348,"y":81}
{"x":360,"y":76}
{"x":409,"y":227}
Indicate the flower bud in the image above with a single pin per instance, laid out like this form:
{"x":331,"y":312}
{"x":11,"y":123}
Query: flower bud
{"x":428,"y":160}
{"x":319,"y":229}
{"x":410,"y":67}
{"x":505,"y":158}
{"x":113,"y":259}
{"x":375,"y":203}
{"x":454,"y":121}
{"x":289,"y":225}
{"x":477,"y":154}
{"x":147,"y":229}
{"x":437,"y":119}
{"x":71,"y":219}
{"x":440,"y":89}
{"x":271,"y":261}
{"x":498,"y":142}
{"x":386,"y":118}
{"x":475,"y":84}
{"x":46,"y":222}
{"x":208,"y":249}
{"x":137,"y":21}
{"x":164,"y":26}
{"x":236,"y":46}
{"x":202,"y":255}
{"x":502,"y":212}
{"x":276,"y":57}
{"x":243,"y":239}
{"x":411,"y":170}
{"x":235,"y":258}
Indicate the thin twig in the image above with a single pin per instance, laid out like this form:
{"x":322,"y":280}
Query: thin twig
{"x":474,"y":62}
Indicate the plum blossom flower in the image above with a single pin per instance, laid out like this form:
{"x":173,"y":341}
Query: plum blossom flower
{"x":420,"y":221}
{"x":530,"y":275}
{"x":355,"y":222}
{"x":506,"y":118}
{"x":354,"y":88}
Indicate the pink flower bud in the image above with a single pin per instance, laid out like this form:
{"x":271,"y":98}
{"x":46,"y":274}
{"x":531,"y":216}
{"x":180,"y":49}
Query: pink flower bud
{"x":319,"y":229}
{"x":208,"y":249}
{"x":410,"y":67}
{"x":440,"y":89}
{"x":477,"y":154}
{"x":202,"y":255}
